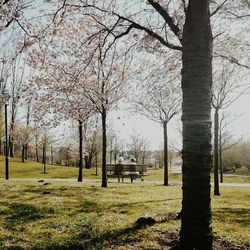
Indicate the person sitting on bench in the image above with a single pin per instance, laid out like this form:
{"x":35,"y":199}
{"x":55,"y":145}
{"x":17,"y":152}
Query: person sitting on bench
{"x":119,"y":168}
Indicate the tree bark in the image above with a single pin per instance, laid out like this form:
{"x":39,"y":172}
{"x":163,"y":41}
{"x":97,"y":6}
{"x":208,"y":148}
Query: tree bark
{"x":104,"y":148}
{"x":216,"y":156}
{"x":37,"y":155}
{"x":196,"y":230}
{"x":44,"y":159}
{"x":6,"y":143}
{"x":220,"y":158}
{"x":23,"y":153}
{"x":80,"y":152}
{"x":11,"y":138}
{"x":165,"y":133}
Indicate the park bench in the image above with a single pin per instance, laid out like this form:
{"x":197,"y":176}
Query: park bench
{"x":126,"y":170}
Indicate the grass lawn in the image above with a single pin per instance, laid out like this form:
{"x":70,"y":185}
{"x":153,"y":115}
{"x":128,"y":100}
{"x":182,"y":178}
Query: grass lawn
{"x":71,"y":215}
{"x":31,"y":169}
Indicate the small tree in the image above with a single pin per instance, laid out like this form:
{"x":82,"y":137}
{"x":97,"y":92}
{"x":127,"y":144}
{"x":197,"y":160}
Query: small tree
{"x":226,"y":90}
{"x":159,"y":99}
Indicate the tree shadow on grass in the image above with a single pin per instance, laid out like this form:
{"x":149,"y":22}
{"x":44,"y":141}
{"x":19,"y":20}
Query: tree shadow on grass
{"x":19,"y":212}
{"x":90,"y":206}
{"x":90,"y":239}
{"x":239,"y":216}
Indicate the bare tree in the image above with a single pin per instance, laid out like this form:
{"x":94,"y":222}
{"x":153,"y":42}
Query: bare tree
{"x":137,"y":147}
{"x":226,"y":90}
{"x":159,"y":99}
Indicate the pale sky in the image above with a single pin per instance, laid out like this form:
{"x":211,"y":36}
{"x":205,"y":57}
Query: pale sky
{"x":126,"y":123}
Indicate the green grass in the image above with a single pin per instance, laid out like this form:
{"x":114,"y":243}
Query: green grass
{"x":71,"y":215}
{"x":31,"y":169}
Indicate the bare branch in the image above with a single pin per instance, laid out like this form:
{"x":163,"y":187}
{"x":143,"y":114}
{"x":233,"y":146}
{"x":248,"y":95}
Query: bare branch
{"x":232,"y":60}
{"x":168,"y":19}
{"x":218,"y":8}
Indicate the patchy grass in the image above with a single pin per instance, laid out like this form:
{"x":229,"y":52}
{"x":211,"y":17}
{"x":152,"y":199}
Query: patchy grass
{"x":71,"y":215}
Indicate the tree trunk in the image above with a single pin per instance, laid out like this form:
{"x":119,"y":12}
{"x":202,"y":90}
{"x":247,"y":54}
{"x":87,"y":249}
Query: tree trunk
{"x":80,"y":152}
{"x":220,"y":158}
{"x":96,"y":164}
{"x":27,"y":124}
{"x":37,"y":156}
{"x":196,"y":230}
{"x":104,"y":148}
{"x":52,"y":155}
{"x":44,"y":159}
{"x":6,"y":143}
{"x":216,"y":156}
{"x":23,"y":153}
{"x":26,"y":151}
{"x":111,"y":151}
{"x":11,"y":138}
{"x":11,"y":145}
{"x":165,"y":132}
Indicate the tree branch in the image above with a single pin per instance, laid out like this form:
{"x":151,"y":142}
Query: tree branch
{"x":218,"y":8}
{"x":131,"y":26}
{"x":168,"y":19}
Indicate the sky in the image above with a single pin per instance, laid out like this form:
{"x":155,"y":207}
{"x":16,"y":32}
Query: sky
{"x":126,"y":124}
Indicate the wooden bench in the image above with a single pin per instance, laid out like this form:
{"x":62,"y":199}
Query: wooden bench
{"x":126,"y":170}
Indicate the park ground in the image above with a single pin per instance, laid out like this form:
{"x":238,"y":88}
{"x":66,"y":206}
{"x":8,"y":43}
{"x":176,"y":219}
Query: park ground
{"x":54,"y":211}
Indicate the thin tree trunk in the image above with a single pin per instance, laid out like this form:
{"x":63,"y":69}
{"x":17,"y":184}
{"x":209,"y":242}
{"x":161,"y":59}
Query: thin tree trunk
{"x":11,"y":138}
{"x":80,"y":152}
{"x":165,"y":133}
{"x":96,"y":164}
{"x":196,"y":230}
{"x":110,"y":156}
{"x":52,"y":155}
{"x":44,"y":159}
{"x":37,"y":156}
{"x":216,"y":156}
{"x":6,"y":143}
{"x":220,"y":159}
{"x":23,"y":153}
{"x":104,"y":148}
{"x":27,"y":123}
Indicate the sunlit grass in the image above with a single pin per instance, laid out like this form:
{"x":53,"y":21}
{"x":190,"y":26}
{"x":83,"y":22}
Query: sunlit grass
{"x":31,"y":169}
{"x":71,"y":215}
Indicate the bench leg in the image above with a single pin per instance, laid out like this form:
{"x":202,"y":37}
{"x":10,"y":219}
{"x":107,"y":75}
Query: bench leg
{"x":132,"y":180}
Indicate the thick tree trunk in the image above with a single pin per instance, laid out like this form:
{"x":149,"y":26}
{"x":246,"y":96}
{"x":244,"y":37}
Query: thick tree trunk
{"x":165,"y":133}
{"x":216,"y":155}
{"x":196,"y":230}
{"x":104,"y":148}
{"x":80,"y":152}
